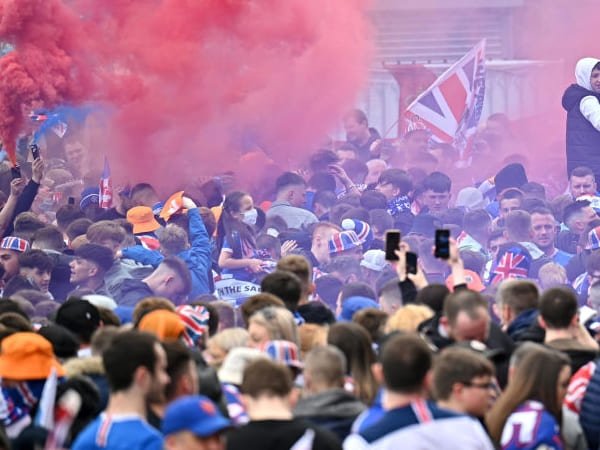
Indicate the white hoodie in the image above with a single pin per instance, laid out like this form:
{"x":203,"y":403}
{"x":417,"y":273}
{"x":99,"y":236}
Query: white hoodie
{"x":589,"y":106}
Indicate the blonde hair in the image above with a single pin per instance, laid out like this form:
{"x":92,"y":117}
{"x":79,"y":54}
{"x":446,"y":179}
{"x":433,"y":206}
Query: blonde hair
{"x":279,"y":322}
{"x":408,"y":318}
{"x":312,"y":336}
{"x":552,"y":275}
{"x":230,"y":338}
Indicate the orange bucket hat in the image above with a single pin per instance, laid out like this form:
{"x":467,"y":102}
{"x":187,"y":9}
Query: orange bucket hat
{"x":166,"y":325}
{"x":27,"y":356}
{"x":142,"y":219}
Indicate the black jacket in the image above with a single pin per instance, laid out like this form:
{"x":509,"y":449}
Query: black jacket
{"x":583,"y":140}
{"x":497,"y":340}
{"x":579,"y":354}
{"x":279,"y":435}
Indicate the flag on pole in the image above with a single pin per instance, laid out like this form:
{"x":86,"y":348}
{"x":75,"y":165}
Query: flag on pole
{"x":106,"y":191}
{"x":451,"y":107}
{"x":67,"y":408}
{"x":45,"y":414}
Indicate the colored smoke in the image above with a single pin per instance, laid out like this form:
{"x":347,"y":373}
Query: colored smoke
{"x":554,"y":32}
{"x":193,"y":83}
{"x":44,"y":70}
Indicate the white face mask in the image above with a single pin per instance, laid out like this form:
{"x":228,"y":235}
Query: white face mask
{"x":249,"y":217}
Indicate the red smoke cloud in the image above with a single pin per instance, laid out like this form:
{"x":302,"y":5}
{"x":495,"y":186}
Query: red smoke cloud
{"x":193,"y":82}
{"x":45,"y":69}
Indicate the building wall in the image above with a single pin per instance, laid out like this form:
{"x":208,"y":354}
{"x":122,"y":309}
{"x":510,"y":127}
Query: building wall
{"x":437,"y":33}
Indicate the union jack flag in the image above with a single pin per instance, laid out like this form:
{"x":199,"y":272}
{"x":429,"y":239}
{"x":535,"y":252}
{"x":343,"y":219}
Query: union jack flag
{"x":593,"y":242}
{"x":513,"y":263}
{"x":451,"y":107}
{"x":284,"y":352}
{"x":106,"y":190}
{"x":195,"y":319}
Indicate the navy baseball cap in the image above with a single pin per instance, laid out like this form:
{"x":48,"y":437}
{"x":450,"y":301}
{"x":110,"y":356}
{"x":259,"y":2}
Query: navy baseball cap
{"x":196,"y":414}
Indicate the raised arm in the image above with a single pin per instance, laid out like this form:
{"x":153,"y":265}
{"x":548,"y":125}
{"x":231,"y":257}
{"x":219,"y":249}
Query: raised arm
{"x":7,"y":213}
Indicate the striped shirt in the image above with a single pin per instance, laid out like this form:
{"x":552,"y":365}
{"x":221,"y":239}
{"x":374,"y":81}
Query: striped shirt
{"x":421,"y":425}
{"x":118,"y":432}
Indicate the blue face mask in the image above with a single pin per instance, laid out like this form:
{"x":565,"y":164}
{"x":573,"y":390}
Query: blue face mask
{"x":249,"y":217}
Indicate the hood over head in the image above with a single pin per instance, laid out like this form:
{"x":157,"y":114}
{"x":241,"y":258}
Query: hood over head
{"x":583,"y":71}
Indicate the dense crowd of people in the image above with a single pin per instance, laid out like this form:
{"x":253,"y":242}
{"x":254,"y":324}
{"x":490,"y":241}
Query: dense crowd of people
{"x":268,"y":315}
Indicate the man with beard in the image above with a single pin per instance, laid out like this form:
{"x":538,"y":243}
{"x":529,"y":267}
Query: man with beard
{"x":135,"y":367}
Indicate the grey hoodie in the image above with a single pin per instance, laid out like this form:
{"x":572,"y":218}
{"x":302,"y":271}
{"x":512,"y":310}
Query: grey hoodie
{"x":332,"y":403}
{"x":334,"y":410}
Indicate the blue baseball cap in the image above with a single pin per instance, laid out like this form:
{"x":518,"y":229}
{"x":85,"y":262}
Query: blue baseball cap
{"x":352,"y":305}
{"x":196,"y":414}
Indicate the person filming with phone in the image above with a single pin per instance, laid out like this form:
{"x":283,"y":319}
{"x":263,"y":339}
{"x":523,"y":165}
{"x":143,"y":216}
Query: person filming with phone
{"x":464,"y":316}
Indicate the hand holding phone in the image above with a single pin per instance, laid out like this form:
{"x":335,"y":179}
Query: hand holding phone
{"x":35,"y":151}
{"x":411,"y":262}
{"x":392,"y":243}
{"x":16,"y":172}
{"x":442,"y":244}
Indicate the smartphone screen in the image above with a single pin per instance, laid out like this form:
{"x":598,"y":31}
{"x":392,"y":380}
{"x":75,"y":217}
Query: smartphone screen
{"x":442,"y":244}
{"x":16,"y":172}
{"x":411,"y":262}
{"x":35,"y":151}
{"x":392,"y":243}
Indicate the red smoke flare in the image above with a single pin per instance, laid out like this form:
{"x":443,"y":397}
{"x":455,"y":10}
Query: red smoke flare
{"x":194,"y":82}
{"x":44,"y":71}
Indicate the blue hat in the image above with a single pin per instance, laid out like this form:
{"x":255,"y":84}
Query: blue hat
{"x":352,"y":305}
{"x":362,"y":230}
{"x":89,"y":196}
{"x":196,"y":414}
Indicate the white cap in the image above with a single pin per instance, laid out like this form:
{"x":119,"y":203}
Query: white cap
{"x":374,"y":260}
{"x":234,"y":364}
{"x":101,"y":301}
{"x":470,"y":198}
